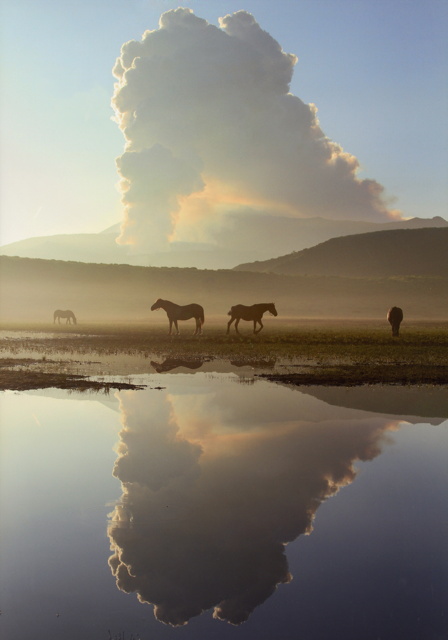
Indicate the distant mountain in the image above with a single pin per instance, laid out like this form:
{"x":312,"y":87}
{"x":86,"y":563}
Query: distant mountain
{"x":242,"y":239}
{"x":399,"y":252}
{"x":101,"y":248}
{"x":276,"y":236}
{"x":81,"y":247}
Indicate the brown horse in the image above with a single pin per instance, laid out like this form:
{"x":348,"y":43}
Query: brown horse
{"x":395,"y":317}
{"x":58,"y":314}
{"x":254,"y":313}
{"x":176,"y":312}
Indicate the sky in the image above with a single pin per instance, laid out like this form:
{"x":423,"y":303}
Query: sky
{"x":375,"y":71}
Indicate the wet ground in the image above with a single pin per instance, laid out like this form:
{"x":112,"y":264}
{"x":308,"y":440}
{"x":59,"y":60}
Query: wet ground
{"x":105,"y":357}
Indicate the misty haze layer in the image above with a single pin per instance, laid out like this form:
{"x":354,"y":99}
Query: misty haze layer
{"x":212,"y":131}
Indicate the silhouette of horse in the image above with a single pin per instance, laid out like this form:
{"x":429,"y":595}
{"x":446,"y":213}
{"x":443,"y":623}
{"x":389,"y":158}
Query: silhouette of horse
{"x":255,"y":313}
{"x":395,"y":316}
{"x":58,"y":314}
{"x":176,"y":312}
{"x":172,"y":363}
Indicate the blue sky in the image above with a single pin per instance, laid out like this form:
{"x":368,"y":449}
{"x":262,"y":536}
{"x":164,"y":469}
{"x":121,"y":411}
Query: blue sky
{"x":375,"y":69}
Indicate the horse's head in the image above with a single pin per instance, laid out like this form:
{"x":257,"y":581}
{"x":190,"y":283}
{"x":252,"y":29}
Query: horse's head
{"x":157,"y":304}
{"x":272,"y":309}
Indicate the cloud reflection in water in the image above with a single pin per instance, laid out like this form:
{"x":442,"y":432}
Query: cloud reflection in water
{"x":216,"y":481}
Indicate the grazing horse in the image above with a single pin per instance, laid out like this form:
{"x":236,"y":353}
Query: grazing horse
{"x":58,"y":314}
{"x":176,"y":312}
{"x":255,"y":313}
{"x":395,"y":316}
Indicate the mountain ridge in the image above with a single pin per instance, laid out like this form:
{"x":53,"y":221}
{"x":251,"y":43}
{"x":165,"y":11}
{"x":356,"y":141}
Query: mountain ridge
{"x":396,"y":252}
{"x":269,"y":238}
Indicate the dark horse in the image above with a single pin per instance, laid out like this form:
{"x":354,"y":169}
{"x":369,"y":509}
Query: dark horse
{"x":395,"y":316}
{"x":172,"y":363}
{"x":58,"y":314}
{"x":175,"y":312}
{"x":255,"y":313}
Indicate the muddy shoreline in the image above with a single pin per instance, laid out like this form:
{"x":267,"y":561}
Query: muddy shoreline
{"x":102,"y":358}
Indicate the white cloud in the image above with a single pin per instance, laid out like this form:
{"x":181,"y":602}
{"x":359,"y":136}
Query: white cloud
{"x":216,"y":102}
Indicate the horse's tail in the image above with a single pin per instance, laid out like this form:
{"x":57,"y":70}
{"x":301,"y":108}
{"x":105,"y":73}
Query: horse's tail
{"x":229,"y":313}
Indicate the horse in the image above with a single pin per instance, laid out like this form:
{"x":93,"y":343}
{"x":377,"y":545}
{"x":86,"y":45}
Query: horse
{"x":176,"y":312}
{"x":395,"y":316}
{"x":58,"y":314}
{"x":172,"y":363}
{"x":255,"y":313}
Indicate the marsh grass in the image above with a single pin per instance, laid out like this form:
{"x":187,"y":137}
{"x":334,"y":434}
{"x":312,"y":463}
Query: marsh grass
{"x":365,"y":348}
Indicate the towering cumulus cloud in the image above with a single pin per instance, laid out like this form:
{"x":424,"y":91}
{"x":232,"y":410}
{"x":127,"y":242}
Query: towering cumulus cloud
{"x":211,"y":130}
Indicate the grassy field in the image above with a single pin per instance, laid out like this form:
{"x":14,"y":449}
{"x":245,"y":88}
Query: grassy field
{"x":336,"y":352}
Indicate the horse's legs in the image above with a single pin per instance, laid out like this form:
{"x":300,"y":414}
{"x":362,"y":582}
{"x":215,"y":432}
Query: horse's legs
{"x":229,"y":323}
{"x":261,"y":326}
{"x":171,"y":326}
{"x":198,"y":329}
{"x":177,"y":328}
{"x":236,"y":324}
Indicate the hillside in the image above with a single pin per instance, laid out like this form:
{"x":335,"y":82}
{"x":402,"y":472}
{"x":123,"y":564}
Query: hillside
{"x":400,"y":252}
{"x":240,"y":238}
{"x":81,"y":247}
{"x":31,"y":289}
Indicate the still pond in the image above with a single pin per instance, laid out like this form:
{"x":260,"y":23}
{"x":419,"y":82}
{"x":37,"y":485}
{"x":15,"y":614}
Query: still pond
{"x":223,"y":506}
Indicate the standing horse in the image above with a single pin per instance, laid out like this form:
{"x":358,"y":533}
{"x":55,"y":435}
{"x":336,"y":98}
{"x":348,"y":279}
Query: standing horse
{"x":255,"y":313}
{"x":58,"y":314}
{"x":176,"y":312}
{"x":395,"y":317}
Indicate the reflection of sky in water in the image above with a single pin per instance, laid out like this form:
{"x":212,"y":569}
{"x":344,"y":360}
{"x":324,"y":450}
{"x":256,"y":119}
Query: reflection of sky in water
{"x":217,"y":476}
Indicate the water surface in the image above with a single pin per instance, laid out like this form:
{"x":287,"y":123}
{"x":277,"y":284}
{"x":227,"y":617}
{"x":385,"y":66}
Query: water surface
{"x":220,"y":505}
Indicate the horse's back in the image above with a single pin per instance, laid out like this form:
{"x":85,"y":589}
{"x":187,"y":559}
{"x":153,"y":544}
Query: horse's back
{"x":200,"y":311}
{"x":188,"y":311}
{"x":246,"y":312}
{"x":395,"y":314}
{"x":196,"y":310}
{"x":237,"y":309}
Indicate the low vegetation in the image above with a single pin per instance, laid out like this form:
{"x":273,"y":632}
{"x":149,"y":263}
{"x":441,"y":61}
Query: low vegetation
{"x":296,"y":352}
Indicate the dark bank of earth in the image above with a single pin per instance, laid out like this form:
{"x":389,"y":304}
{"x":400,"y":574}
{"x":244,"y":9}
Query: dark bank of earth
{"x":352,"y":375}
{"x":32,"y":378}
